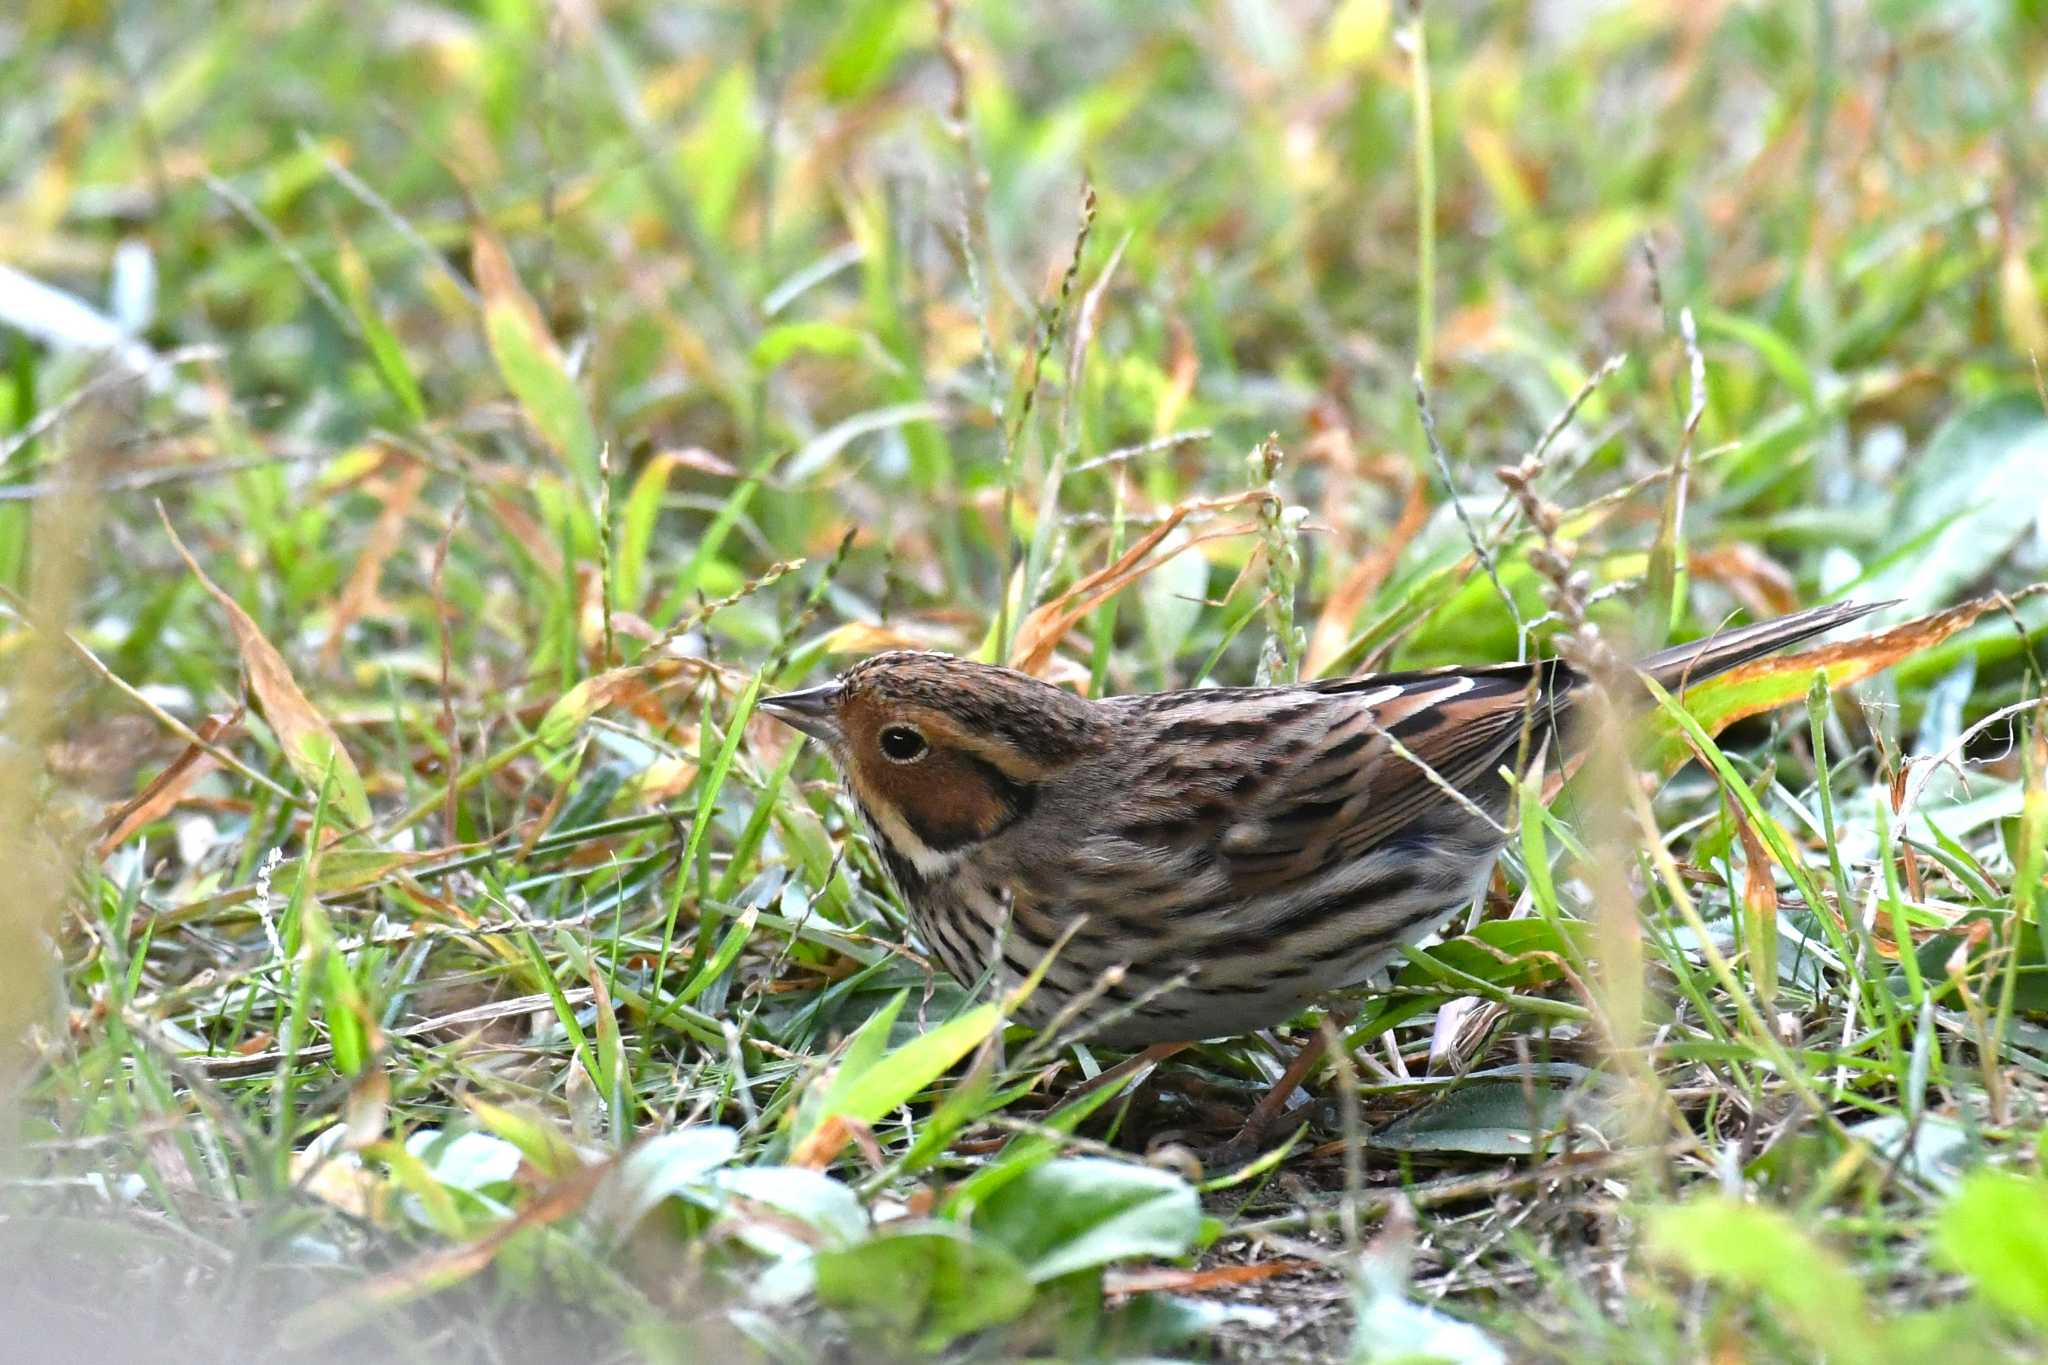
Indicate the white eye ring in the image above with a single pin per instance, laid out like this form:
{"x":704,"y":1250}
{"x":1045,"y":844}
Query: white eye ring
{"x":902,"y":744}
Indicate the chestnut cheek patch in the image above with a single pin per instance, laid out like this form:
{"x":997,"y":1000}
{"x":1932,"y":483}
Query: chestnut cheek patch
{"x":974,"y":803}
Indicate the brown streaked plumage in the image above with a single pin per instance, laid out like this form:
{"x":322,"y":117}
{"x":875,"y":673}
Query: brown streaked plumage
{"x":1270,"y":844}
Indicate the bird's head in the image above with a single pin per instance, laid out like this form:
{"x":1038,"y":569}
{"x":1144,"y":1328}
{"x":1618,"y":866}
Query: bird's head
{"x":942,"y":753}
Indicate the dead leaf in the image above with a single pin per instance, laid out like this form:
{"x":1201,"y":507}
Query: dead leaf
{"x":169,"y":786}
{"x":1182,"y":365}
{"x":1765,"y":684}
{"x":360,"y":594}
{"x":310,"y":745}
{"x":1333,"y":625}
{"x":590,"y":615}
{"x":1041,"y":631}
{"x":821,"y":1144}
{"x":665,"y":779}
{"x":367,"y":1109}
{"x":1761,"y":583}
{"x":1173,"y":1280}
{"x":341,"y":1180}
{"x":545,"y":551}
{"x":861,"y":637}
{"x":1759,"y":909}
{"x":498,"y":282}
{"x":629,"y":683}
{"x":701,"y":460}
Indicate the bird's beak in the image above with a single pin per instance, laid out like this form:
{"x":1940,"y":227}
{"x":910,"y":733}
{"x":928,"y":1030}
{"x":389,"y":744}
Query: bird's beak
{"x":815,"y":711}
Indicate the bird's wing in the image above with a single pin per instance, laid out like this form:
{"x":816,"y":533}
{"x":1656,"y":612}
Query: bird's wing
{"x":1269,"y":786}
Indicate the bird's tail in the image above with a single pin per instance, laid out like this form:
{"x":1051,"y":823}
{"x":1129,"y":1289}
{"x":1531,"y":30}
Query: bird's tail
{"x":1696,"y":660}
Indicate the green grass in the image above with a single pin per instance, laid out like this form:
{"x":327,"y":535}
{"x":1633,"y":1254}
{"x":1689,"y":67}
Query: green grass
{"x":534,"y":386}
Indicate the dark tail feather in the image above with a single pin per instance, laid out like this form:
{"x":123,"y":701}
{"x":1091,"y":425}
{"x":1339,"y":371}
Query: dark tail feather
{"x":1700,"y":659}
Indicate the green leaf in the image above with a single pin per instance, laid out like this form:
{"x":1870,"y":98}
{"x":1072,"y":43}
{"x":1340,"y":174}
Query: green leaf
{"x":867,"y":1084}
{"x":467,"y":1160}
{"x":530,"y":363}
{"x":927,"y":1284}
{"x":813,"y":1197}
{"x":722,"y":147}
{"x":1171,"y":597}
{"x":721,"y":961}
{"x":310,"y":745}
{"x":1780,"y":355}
{"x":1077,"y":1213}
{"x":712,"y":783}
{"x":636,"y":528}
{"x":664,"y":1165}
{"x":1762,"y":1251}
{"x":546,"y":1148}
{"x":778,"y":344}
{"x":385,"y":353}
{"x":342,"y":1003}
{"x":345,"y":868}
{"x":545,"y":392}
{"x":1507,"y":1117}
{"x":1996,"y":1231}
{"x":822,"y":449}
{"x":1393,"y":1329}
{"x":1514,"y":954}
{"x":865,"y":47}
{"x":1977,"y":487}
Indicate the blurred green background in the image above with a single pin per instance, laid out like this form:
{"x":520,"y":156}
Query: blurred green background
{"x":478,"y":350}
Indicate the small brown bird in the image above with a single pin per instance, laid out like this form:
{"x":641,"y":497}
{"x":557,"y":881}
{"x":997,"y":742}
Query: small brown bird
{"x":1266,"y":844}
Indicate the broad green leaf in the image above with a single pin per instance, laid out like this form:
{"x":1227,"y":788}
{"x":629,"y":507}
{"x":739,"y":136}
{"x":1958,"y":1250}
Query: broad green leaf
{"x":1077,"y":1213}
{"x":1495,"y":1118}
{"x":1979,"y":484}
{"x":1394,"y":1329}
{"x":635,"y":537}
{"x":813,"y":1197}
{"x":926,"y":1284}
{"x":664,"y":1165}
{"x":1780,"y":355}
{"x":863,"y":1050}
{"x":1030,"y":1151}
{"x":1762,"y":1251}
{"x":469,"y":1161}
{"x":546,"y":1148}
{"x":1996,"y":1231}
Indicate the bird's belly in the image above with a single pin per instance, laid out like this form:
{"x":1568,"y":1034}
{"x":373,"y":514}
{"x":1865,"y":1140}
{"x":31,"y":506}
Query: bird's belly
{"x":1266,"y":995}
{"x":1213,"y":977}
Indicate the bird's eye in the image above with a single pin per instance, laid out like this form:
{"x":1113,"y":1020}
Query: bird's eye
{"x":901,"y":744}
